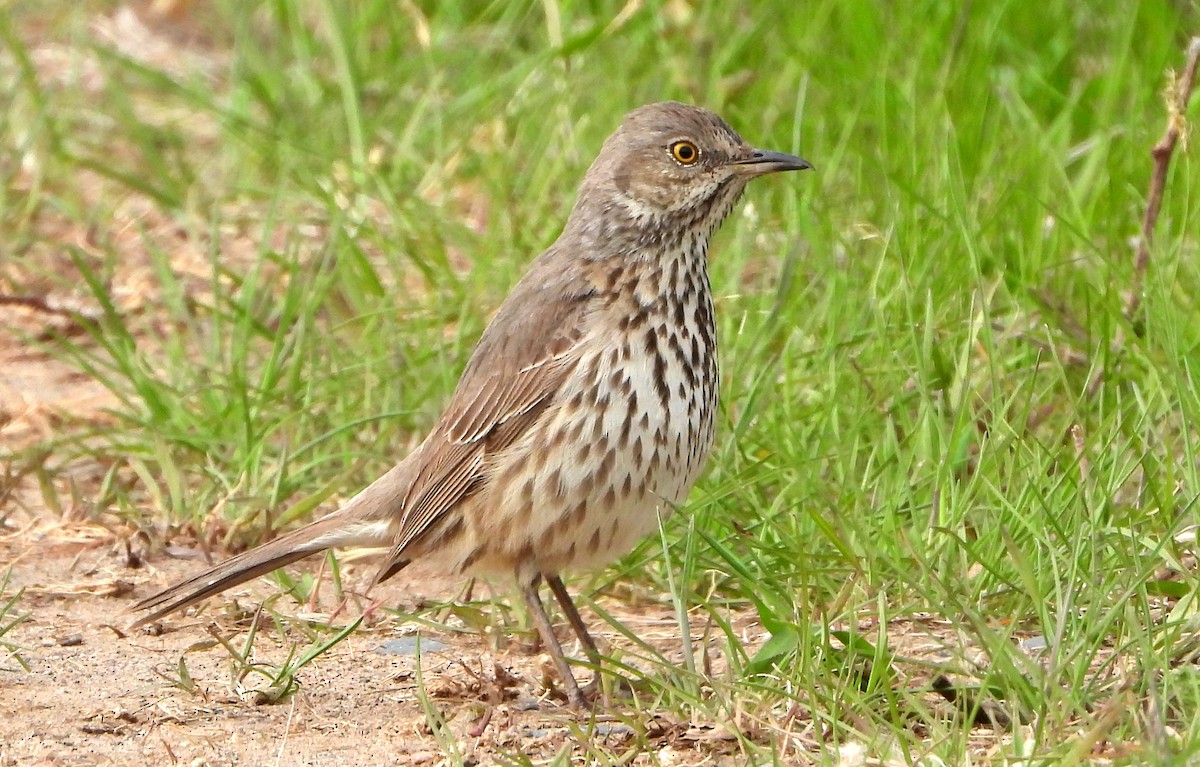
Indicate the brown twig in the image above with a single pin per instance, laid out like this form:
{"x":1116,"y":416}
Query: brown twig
{"x":1178,"y":95}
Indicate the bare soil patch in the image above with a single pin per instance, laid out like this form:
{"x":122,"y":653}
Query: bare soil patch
{"x":99,"y":694}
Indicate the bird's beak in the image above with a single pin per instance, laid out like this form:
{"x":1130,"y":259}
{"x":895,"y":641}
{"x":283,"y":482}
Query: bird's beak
{"x":764,"y":161}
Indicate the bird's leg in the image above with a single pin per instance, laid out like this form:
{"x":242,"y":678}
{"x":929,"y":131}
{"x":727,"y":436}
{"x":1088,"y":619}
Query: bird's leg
{"x":568,"y":605}
{"x":529,"y":590}
{"x":560,"y":592}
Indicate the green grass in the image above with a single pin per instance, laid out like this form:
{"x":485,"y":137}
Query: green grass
{"x":10,"y":618}
{"x":933,"y":404}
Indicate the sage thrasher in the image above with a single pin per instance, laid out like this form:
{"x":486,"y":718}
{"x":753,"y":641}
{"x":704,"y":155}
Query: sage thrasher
{"x":587,"y":409}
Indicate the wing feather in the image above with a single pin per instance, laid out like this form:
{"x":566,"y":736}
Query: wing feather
{"x":522,"y":361}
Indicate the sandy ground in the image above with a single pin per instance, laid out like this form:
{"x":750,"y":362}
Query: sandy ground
{"x":98,"y":693}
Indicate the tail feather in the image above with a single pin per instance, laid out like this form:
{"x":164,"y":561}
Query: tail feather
{"x":329,"y":532}
{"x":367,"y":519}
{"x":209,"y":583}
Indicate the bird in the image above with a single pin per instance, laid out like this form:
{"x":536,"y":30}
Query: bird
{"x":587,"y":409}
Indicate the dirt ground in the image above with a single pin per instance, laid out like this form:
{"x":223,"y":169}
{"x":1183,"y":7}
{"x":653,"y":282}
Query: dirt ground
{"x":98,"y":693}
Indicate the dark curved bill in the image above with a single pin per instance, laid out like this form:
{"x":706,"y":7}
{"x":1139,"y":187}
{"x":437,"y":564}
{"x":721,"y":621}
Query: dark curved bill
{"x":766,"y":161}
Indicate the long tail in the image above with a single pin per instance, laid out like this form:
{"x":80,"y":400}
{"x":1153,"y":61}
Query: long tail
{"x":366,"y":520}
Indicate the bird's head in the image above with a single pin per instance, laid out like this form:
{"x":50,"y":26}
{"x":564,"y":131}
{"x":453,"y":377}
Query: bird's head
{"x":670,"y":159}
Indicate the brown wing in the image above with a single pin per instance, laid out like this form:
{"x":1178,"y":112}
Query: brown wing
{"x":521,"y":362}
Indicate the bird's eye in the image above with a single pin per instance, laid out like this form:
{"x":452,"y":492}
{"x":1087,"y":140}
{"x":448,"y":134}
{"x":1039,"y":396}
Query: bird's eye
{"x":685,"y":152}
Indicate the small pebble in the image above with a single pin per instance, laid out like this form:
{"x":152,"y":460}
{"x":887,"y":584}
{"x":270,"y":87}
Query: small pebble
{"x":606,"y":729}
{"x":1034,"y":644}
{"x":407,"y":645}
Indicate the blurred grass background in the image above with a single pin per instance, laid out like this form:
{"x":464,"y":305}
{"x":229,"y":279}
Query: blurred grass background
{"x":287,"y":223}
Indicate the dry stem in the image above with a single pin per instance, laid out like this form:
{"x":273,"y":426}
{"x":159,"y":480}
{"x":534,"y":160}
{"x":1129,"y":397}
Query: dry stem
{"x":1178,"y":95}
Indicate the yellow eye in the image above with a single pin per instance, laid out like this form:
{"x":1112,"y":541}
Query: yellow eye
{"x":685,"y":152}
